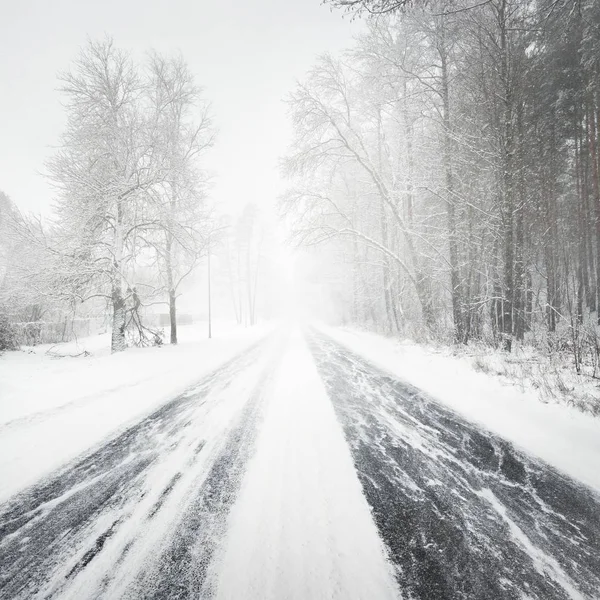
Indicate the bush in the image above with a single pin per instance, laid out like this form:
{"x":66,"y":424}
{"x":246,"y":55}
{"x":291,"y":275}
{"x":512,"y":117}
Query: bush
{"x":8,"y":334}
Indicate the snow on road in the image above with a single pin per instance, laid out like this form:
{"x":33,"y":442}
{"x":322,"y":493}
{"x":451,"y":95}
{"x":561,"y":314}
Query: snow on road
{"x":298,"y":470}
{"x":52,"y":409}
{"x":558,"y":434}
{"x":141,"y":515}
{"x":464,"y":514}
{"x":302,"y":528}
{"x":149,"y":513}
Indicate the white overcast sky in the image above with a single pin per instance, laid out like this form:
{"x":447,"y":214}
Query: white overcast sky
{"x":246,"y":54}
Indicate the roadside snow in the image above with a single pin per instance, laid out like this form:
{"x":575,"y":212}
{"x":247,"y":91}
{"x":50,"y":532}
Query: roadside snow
{"x":301,"y":527}
{"x":52,"y":409}
{"x":41,"y":378}
{"x":558,"y":434}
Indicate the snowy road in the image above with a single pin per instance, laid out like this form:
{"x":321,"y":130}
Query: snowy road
{"x":140,"y":516}
{"x":463,"y":514}
{"x":301,"y":471}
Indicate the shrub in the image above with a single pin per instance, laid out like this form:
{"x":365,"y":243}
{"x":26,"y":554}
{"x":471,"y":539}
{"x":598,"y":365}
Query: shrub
{"x":8,"y":334}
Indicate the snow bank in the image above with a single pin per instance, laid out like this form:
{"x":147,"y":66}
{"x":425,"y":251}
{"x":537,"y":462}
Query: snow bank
{"x":52,"y":409}
{"x":558,"y":434}
{"x":301,"y":527}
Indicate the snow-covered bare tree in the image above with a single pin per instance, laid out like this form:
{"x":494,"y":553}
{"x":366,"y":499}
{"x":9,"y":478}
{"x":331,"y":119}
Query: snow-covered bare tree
{"x":245,"y":246}
{"x":103,"y":172}
{"x":183,"y":133}
{"x":451,"y":158}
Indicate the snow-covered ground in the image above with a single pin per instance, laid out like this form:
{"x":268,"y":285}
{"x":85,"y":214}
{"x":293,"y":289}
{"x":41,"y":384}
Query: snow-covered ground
{"x":53,"y":408}
{"x":296,"y":470}
{"x":558,"y":434}
{"x":243,"y":487}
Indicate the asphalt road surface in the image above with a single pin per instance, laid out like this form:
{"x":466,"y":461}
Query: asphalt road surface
{"x":461,"y":513}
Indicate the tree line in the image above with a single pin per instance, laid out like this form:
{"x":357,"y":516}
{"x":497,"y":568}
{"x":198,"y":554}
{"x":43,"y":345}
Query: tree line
{"x":131,"y":218}
{"x":450,"y":160}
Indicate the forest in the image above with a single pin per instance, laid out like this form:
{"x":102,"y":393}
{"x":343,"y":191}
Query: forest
{"x":449,"y":162}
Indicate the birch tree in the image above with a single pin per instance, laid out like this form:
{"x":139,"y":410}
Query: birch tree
{"x":103,"y":171}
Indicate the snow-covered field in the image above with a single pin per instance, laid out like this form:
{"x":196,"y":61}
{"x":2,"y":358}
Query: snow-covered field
{"x":52,"y":409}
{"x":558,"y":434}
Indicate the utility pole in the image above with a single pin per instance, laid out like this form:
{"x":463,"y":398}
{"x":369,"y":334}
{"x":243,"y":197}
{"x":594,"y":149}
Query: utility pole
{"x":209,"y":306}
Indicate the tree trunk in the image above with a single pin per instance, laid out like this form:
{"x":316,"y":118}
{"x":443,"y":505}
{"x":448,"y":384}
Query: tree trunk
{"x":507,"y":181}
{"x":118,"y":343}
{"x":249,"y":282}
{"x":171,"y":288}
{"x":408,"y":136}
{"x":583,"y":292}
{"x":239,"y":282}
{"x":591,"y":127}
{"x":519,"y":292}
{"x":455,"y":283}
{"x":173,"y":316}
{"x":391,"y":316}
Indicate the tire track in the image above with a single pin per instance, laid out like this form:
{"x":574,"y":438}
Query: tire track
{"x":73,"y":533}
{"x":463,"y":513}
